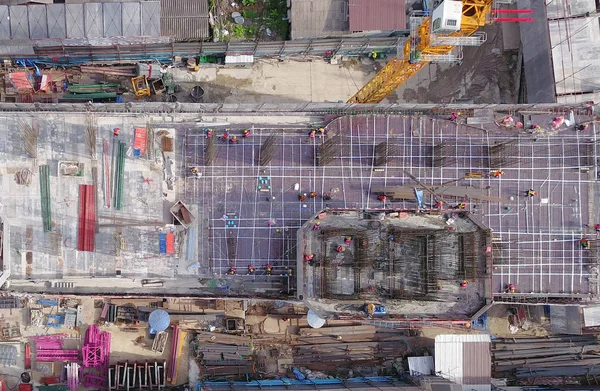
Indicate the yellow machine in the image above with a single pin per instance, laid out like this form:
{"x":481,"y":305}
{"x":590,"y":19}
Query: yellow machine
{"x":421,"y":48}
{"x":140,"y":86}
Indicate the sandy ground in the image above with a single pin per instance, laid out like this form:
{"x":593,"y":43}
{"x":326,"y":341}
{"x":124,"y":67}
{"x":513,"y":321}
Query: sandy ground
{"x":485,"y":75}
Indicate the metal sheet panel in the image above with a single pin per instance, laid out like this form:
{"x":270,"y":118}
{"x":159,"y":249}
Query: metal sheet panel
{"x":151,"y":18}
{"x":422,"y":365}
{"x":111,"y":12}
{"x":38,"y":23}
{"x":318,"y":18}
{"x":131,"y":19}
{"x":55,"y":14}
{"x":591,"y":316}
{"x":4,"y":22}
{"x":19,"y":24}
{"x":92,"y":20}
{"x":565,"y":319}
{"x":74,"y":20}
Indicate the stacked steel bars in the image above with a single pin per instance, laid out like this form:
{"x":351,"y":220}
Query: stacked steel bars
{"x":176,"y":346}
{"x":49,"y":348}
{"x":87,"y":218}
{"x":223,"y":355}
{"x":72,"y":375}
{"x":45,"y":197}
{"x":546,"y":357}
{"x":119,"y":172}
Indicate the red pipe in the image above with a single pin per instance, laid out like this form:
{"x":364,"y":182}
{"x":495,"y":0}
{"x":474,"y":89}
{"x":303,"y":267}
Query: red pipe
{"x":513,"y":20}
{"x":513,"y":11}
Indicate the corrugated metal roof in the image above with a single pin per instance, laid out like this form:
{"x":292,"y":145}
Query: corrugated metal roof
{"x":369,"y":15}
{"x":184,"y":19}
{"x":477,"y":363}
{"x":318,"y":18}
{"x":445,"y":338}
{"x":464,"y":358}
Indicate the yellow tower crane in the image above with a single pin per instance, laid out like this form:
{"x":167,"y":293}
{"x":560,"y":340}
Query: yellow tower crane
{"x":424,"y":46}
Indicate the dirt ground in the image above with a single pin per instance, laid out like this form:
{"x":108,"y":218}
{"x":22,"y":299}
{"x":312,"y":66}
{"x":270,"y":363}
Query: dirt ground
{"x":486,"y":75}
{"x":498,"y":324}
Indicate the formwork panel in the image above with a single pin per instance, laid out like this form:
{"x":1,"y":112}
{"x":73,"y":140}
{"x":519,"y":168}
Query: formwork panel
{"x":57,"y":27}
{"x":74,"y":21}
{"x":150,"y":18}
{"x":112,"y":14}
{"x":131,"y":19}
{"x":92,"y":20}
{"x":4,"y":22}
{"x":38,"y":23}
{"x":19,"y":24}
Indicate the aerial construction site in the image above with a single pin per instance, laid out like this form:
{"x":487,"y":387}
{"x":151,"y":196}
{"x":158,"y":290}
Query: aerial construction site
{"x":160,"y":232}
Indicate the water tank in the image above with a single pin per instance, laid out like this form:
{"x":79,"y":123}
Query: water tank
{"x":446,"y":18}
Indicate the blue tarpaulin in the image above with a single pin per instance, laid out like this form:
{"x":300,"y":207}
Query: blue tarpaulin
{"x":159,"y":320}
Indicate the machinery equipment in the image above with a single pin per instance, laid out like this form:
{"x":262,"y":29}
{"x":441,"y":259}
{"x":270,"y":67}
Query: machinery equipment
{"x":452,"y":24}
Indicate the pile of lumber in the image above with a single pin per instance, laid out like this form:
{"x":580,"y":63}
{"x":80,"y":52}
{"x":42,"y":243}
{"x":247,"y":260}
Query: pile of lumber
{"x":546,"y":357}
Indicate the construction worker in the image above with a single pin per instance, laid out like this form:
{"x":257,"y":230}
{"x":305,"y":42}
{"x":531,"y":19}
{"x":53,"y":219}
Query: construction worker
{"x":454,"y":116}
{"x":464,"y":284}
{"x":233,"y":140}
{"x":382,"y":198}
{"x":340,"y":249}
{"x":439,"y":205}
{"x":116,"y":131}
{"x":316,"y":226}
{"x":321,"y":131}
{"x":269,"y":269}
{"x":313,"y":194}
{"x":232,"y":271}
{"x":225,"y":135}
{"x":535,"y":127}
{"x":597,"y":227}
{"x":498,"y":173}
{"x":195,"y":171}
{"x":327,"y":196}
{"x":312,"y":133}
{"x":462,"y":205}
{"x":531,"y":193}
{"x":245,"y":133}
{"x":511,"y":288}
{"x":209,"y":133}
{"x":302,"y":196}
{"x":251,"y":269}
{"x":582,"y":127}
{"x":585,"y":243}
{"x":348,"y":240}
{"x":309,"y":257}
